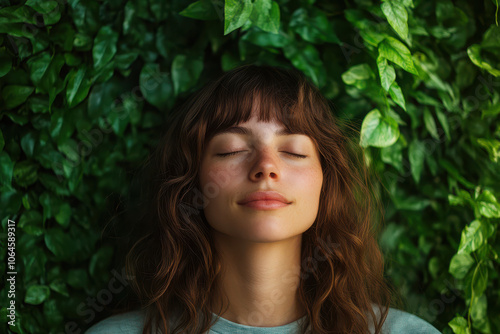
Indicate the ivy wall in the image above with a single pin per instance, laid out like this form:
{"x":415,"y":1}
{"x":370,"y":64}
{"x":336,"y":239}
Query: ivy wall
{"x":86,"y":86}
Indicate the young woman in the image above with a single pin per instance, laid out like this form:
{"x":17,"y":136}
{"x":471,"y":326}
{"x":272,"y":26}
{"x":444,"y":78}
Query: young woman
{"x":262,"y":219}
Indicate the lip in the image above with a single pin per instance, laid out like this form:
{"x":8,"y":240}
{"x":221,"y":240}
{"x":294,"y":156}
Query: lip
{"x":264,"y":197}
{"x":265,"y":205}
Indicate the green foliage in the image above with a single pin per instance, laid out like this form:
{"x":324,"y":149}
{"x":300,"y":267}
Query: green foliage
{"x":86,"y":87}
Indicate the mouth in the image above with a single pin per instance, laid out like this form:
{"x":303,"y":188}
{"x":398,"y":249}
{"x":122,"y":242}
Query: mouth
{"x":265,"y":204}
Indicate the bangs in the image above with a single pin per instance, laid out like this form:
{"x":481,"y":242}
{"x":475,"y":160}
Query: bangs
{"x":282,"y":95}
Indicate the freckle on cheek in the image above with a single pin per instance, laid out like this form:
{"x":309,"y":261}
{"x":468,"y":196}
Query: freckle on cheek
{"x":233,"y":169}
{"x":236,"y":170}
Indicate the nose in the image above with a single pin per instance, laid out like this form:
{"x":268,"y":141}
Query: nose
{"x":265,"y":166}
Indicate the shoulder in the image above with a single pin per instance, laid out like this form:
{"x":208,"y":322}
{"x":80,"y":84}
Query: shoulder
{"x":126,"y":323}
{"x":398,"y":321}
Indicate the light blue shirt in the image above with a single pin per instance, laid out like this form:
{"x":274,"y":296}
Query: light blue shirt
{"x":132,"y":323}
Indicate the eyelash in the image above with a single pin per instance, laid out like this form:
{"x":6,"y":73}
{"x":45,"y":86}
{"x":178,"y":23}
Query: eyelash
{"x":233,"y":153}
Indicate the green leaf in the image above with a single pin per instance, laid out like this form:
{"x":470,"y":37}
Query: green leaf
{"x":5,"y":62}
{"x":489,"y":229}
{"x":6,"y":169}
{"x":358,"y":75}
{"x":49,"y":8}
{"x":266,"y":15}
{"x":472,"y":238}
{"x":430,"y":124}
{"x":480,"y":279}
{"x":185,"y":72}
{"x":59,"y":243}
{"x":77,"y":278}
{"x":444,"y":122}
{"x":53,"y":183}
{"x":103,"y":96}
{"x":416,"y":154}
{"x":63,"y":35}
{"x":36,"y":294}
{"x":58,"y":285}
{"x":161,"y":9}
{"x":103,"y":74}
{"x":434,"y":266}
{"x":474,"y":52}
{"x":104,"y":46}
{"x":28,"y":144}
{"x":78,"y":86}
{"x":38,"y":66}
{"x":25,"y":173}
{"x":407,"y":3}
{"x":479,"y":307}
{"x":393,"y":155}
{"x":466,"y":73}
{"x":44,"y":72}
{"x":313,"y":26}
{"x":82,"y":42}
{"x":492,"y":146}
{"x":453,"y":172}
{"x":432,"y":163}
{"x":307,"y":59}
{"x":123,"y":61}
{"x":397,"y":17}
{"x":236,"y":14}
{"x":493,"y":107}
{"x":423,"y":98}
{"x":398,"y":53}
{"x":386,"y":72}
{"x":31,"y":222}
{"x":100,"y":261}
{"x":42,"y":7}
{"x":52,"y":313}
{"x":460,"y":265}
{"x":410,"y":202}
{"x":264,"y":39}
{"x":459,"y":325}
{"x":156,"y":86}
{"x":11,"y":199}
{"x":491,"y":38}
{"x":51,"y":81}
{"x":201,"y":10}
{"x":49,"y":204}
{"x":378,"y":131}
{"x":463,"y":198}
{"x":18,"y":14}
{"x":487,"y":205}
{"x":37,"y":261}
{"x":63,"y":215}
{"x":119,"y":120}
{"x":397,"y":95}
{"x":15,"y":95}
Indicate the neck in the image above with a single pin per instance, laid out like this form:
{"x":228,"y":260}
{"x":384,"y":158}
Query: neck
{"x":260,"y":281}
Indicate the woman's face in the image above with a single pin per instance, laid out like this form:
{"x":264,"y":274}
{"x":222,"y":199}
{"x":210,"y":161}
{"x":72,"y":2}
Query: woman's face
{"x":263,"y":163}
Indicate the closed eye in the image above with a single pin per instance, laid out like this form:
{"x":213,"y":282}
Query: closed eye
{"x":233,"y":153}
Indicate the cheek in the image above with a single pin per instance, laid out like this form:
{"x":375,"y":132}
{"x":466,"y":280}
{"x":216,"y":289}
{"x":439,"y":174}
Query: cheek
{"x":217,"y":177}
{"x":310,"y":184}
{"x":309,"y":178}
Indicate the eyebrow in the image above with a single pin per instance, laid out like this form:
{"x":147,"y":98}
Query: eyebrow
{"x":246,"y":131}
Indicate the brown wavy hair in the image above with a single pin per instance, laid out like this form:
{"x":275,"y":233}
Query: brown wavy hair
{"x":174,"y":264}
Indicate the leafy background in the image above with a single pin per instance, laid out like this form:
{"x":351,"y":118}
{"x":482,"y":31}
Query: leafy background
{"x":86,"y":87}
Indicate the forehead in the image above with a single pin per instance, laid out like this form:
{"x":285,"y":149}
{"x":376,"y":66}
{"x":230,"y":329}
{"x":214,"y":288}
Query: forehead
{"x":247,"y":131}
{"x":262,"y":117}
{"x":255,"y":124}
